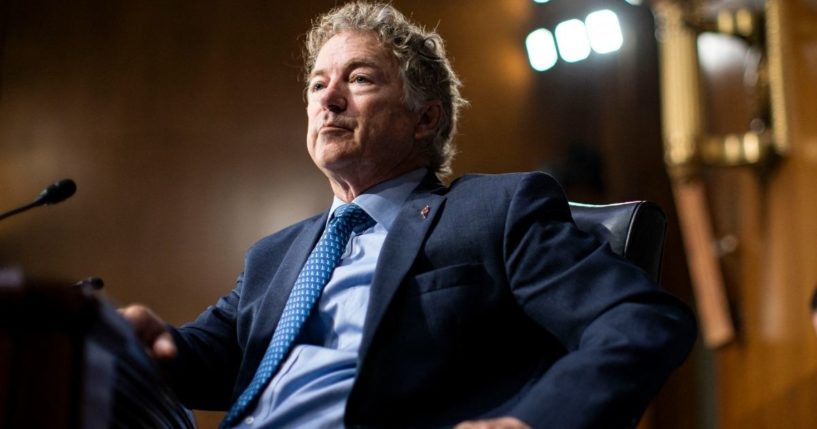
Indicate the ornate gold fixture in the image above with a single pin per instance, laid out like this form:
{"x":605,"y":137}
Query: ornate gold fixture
{"x":688,"y":148}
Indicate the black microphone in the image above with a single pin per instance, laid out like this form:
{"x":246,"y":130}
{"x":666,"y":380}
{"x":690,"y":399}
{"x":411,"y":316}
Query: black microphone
{"x":58,"y":192}
{"x":90,"y":284}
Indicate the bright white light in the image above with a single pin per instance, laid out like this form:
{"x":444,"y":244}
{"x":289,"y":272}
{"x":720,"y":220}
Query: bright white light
{"x":571,"y":37}
{"x":634,"y":2}
{"x":541,"y":49}
{"x":604,"y":31}
{"x":721,"y":54}
{"x":541,"y":1}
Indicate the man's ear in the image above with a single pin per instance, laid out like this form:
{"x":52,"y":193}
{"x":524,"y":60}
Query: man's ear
{"x":429,"y":121}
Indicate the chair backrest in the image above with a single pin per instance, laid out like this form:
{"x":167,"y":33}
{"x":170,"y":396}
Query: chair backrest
{"x":634,"y":230}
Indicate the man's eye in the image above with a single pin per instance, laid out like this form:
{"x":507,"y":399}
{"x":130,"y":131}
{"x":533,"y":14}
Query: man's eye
{"x":316,"y":86}
{"x":360,"y":79}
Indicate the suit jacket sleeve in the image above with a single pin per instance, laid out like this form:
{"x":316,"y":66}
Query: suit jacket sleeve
{"x":203,"y":374}
{"x":623,"y":335}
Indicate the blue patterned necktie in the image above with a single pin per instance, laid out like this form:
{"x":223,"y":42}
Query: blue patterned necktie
{"x":313,"y":277}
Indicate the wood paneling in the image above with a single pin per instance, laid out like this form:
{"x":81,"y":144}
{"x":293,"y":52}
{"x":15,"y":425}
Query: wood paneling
{"x":768,"y":378}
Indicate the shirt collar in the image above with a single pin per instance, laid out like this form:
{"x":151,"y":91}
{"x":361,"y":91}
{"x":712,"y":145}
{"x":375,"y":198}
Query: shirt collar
{"x":383,"y":201}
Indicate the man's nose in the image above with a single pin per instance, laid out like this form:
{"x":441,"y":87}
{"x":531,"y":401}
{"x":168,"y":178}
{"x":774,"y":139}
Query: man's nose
{"x":333,"y":97}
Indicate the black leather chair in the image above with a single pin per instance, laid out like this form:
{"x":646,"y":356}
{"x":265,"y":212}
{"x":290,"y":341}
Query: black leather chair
{"x":634,"y":230}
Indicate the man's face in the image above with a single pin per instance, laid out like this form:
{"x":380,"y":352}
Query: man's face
{"x":359,"y":125}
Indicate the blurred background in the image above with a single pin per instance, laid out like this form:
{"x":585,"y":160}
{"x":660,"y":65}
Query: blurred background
{"x":183,"y":124}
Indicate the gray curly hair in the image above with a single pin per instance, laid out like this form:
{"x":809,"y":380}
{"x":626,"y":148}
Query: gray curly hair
{"x":426,"y":72}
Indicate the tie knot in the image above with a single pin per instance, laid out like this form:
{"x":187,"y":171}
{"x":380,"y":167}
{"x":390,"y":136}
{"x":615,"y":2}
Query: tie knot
{"x":354,"y":217}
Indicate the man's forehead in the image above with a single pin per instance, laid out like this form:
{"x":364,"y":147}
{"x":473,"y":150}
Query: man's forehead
{"x":352,"y":48}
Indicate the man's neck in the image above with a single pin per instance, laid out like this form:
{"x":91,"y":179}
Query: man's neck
{"x":348,"y":187}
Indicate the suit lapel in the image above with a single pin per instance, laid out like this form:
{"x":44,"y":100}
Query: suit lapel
{"x":279,"y":288}
{"x":399,"y":251}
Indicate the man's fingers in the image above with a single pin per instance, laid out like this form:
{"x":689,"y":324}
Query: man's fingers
{"x":164,"y":347}
{"x":499,"y":423}
{"x":150,"y":330}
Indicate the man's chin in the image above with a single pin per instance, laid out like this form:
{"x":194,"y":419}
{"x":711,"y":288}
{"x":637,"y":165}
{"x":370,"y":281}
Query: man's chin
{"x":336,"y":162}
{"x":332,"y":145}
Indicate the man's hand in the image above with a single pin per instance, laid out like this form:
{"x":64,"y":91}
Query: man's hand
{"x":499,"y":423}
{"x":151,"y":331}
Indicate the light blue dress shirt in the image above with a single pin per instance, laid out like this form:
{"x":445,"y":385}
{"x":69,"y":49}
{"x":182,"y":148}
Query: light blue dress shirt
{"x":312,"y":385}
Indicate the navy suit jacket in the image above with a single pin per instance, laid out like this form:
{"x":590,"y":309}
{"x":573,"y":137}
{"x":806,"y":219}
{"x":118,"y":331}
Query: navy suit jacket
{"x":492,"y":303}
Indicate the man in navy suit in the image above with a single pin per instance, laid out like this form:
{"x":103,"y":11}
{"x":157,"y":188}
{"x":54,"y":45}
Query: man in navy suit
{"x":478,"y":304}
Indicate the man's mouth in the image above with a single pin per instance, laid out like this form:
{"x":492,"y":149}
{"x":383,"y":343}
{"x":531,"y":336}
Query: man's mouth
{"x":335,"y":124}
{"x":333,"y":127}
